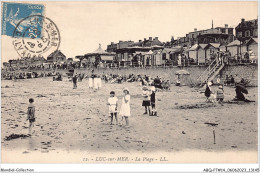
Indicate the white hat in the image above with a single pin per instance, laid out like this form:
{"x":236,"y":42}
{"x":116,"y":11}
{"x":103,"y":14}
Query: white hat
{"x":125,"y":89}
{"x":209,"y":83}
{"x":152,"y":88}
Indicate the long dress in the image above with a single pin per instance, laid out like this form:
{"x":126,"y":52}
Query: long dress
{"x":96,"y":83}
{"x":99,"y":82}
{"x":125,"y":106}
{"x":90,"y":82}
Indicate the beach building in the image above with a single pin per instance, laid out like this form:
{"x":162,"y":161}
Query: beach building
{"x":97,"y":56}
{"x":56,"y":57}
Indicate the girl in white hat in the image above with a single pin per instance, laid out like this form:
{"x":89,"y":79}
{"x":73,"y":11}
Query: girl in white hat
{"x":125,"y":106}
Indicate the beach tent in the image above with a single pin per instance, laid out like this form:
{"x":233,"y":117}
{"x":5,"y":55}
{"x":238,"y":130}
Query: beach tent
{"x":183,"y":76}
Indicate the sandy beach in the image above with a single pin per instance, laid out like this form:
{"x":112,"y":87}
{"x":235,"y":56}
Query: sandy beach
{"x":70,"y":120}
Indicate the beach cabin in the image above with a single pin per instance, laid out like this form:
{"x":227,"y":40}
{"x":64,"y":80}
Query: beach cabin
{"x":157,"y":58}
{"x":174,"y":54}
{"x":201,"y":54}
{"x":193,"y":53}
{"x":234,"y":47}
{"x":210,"y":49}
{"x":166,"y":53}
{"x":147,"y":58}
{"x":252,"y":45}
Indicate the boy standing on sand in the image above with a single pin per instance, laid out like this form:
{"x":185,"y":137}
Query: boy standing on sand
{"x":74,"y":80}
{"x":146,"y":99}
{"x":220,"y":95}
{"x":31,"y":115}
{"x":113,"y":104}
{"x":154,"y":112}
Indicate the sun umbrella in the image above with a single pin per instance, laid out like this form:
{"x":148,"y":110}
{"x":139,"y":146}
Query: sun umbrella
{"x":182,"y":72}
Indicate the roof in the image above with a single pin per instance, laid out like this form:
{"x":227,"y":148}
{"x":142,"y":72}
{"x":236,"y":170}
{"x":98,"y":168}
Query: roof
{"x":55,"y":53}
{"x":99,"y":50}
{"x":255,"y":39}
{"x":139,"y":52}
{"x":194,"y":47}
{"x":248,"y":23}
{"x":168,"y":50}
{"x":216,"y":45}
{"x":149,"y":53}
{"x":234,"y":43}
{"x":203,"y":46}
{"x":252,"y":40}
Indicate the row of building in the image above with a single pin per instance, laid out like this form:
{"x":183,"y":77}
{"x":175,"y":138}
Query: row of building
{"x":195,"y":48}
{"x":56,"y":57}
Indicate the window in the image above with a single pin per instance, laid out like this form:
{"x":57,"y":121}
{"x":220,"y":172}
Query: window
{"x":164,"y":56}
{"x":239,"y":34}
{"x":255,"y":33}
{"x":247,"y":33}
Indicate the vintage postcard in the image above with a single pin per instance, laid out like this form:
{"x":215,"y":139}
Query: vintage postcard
{"x":129,"y":82}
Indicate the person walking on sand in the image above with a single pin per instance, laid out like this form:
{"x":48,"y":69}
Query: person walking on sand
{"x":146,"y":100}
{"x":74,"y":80}
{"x":31,"y":115}
{"x":112,"y":106}
{"x":125,"y":106}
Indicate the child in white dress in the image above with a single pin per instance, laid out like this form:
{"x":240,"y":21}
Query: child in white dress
{"x":112,"y":106}
{"x":125,"y":106}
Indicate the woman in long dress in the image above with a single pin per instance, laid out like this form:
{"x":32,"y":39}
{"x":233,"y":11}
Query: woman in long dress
{"x":95,"y":82}
{"x":90,"y":82}
{"x":99,"y":82}
{"x":125,"y":106}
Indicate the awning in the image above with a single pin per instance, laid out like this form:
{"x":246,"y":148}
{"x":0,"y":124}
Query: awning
{"x":107,"y":58}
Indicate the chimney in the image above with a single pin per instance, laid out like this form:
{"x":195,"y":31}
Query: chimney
{"x":150,"y":38}
{"x":140,"y":41}
{"x":112,"y":43}
{"x":156,"y":38}
{"x":242,"y":20}
{"x":226,"y":25}
{"x":195,"y":29}
{"x":144,"y":39}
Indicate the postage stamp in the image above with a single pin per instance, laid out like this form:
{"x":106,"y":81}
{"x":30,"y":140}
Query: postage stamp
{"x":13,"y":13}
{"x":38,"y":35}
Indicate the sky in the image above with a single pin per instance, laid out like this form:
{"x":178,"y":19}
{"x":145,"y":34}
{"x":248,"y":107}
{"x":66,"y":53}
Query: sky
{"x":83,"y":25}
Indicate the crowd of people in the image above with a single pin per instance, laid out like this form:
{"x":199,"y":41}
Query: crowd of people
{"x":149,"y":88}
{"x":26,"y":75}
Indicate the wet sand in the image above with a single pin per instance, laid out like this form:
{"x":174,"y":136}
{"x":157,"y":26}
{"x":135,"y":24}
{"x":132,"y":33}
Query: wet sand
{"x":70,"y":120}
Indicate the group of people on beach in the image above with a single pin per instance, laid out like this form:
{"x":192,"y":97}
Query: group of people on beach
{"x":124,"y":112}
{"x":148,"y":101}
{"x":240,"y":89}
{"x":25,"y":75}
